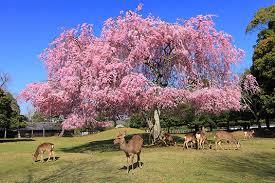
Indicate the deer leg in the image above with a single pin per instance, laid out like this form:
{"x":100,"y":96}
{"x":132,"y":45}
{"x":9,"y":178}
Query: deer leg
{"x":220,"y":145}
{"x":41,"y":158}
{"x":138,"y":160}
{"x":202,"y":145}
{"x":53,"y":155}
{"x":50,"y":153}
{"x":127,"y":164}
{"x":216,"y":144}
{"x":132,"y":161}
{"x":186,"y":145}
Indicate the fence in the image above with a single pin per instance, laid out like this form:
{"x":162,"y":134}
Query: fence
{"x":34,"y":133}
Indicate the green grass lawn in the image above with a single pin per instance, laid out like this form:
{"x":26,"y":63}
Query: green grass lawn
{"x":94,"y":158}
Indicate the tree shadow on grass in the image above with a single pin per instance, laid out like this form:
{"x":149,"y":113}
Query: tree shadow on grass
{"x":14,"y":140}
{"x":106,"y":145}
{"x":101,"y":146}
{"x":260,"y":165}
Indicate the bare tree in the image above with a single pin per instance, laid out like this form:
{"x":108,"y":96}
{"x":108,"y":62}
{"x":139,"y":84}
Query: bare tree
{"x":4,"y":78}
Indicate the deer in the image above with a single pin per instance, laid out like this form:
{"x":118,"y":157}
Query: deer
{"x":189,"y":138}
{"x":223,"y":135}
{"x":168,"y":138}
{"x":132,"y":147}
{"x":201,"y":138}
{"x":248,"y":134}
{"x":41,"y":149}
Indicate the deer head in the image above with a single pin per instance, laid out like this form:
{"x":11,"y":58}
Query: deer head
{"x":34,"y":158}
{"x":120,"y":138}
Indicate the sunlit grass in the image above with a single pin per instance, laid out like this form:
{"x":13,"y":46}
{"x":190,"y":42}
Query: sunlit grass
{"x":93,"y":158}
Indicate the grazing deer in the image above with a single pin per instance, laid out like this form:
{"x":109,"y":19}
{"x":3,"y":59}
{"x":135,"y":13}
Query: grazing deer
{"x":41,"y":149}
{"x":223,"y":135}
{"x":248,"y":134}
{"x":168,"y":138}
{"x":189,"y":138}
{"x":131,"y":148}
{"x":201,"y":138}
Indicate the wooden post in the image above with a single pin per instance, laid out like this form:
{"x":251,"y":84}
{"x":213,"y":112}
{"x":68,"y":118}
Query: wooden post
{"x":43,"y":132}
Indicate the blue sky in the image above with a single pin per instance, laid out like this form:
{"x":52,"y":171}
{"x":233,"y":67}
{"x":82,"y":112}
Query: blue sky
{"x":28,"y":26}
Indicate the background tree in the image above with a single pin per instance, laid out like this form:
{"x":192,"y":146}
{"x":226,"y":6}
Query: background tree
{"x":263,"y":66}
{"x":10,"y":117}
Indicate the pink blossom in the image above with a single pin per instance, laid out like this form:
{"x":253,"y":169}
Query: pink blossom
{"x":137,"y":63}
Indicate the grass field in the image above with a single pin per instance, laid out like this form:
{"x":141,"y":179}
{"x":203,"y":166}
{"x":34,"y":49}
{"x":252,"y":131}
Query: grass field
{"x":93,"y":158}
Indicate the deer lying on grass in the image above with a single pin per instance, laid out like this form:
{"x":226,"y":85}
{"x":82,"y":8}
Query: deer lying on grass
{"x":168,"y":139}
{"x":41,"y":149}
{"x":131,"y":148}
{"x":248,"y":134}
{"x":201,"y":138}
{"x":223,"y":135}
{"x":189,"y":138}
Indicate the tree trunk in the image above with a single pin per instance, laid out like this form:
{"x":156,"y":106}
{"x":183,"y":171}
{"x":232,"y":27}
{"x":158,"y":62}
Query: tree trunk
{"x":5,"y":133}
{"x":228,"y":126}
{"x":18,"y":134}
{"x":32,"y":134}
{"x":115,"y":123}
{"x":211,"y":127}
{"x":61,"y":133}
{"x":258,"y":122}
{"x":267,"y":122}
{"x":196,"y":127}
{"x":150,"y":126}
{"x":43,"y":132}
{"x":157,"y":128}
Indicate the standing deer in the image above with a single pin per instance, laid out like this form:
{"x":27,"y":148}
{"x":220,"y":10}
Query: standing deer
{"x":131,"y":148}
{"x":201,"y":138}
{"x":41,"y":149}
{"x":189,"y":138}
{"x":248,"y":134}
{"x":223,"y":135}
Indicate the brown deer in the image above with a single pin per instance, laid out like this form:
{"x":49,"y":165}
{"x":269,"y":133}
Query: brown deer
{"x":248,"y":134}
{"x":201,"y":138}
{"x":223,"y":135}
{"x":189,"y":138}
{"x":131,"y":148}
{"x":168,"y":139}
{"x":41,"y":149}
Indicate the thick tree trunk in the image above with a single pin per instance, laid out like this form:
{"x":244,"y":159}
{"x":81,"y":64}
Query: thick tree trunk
{"x":5,"y":133}
{"x":43,"y":132}
{"x":267,"y":122}
{"x":157,"y":128}
{"x":150,"y":126}
{"x":32,"y":134}
{"x":61,"y":133}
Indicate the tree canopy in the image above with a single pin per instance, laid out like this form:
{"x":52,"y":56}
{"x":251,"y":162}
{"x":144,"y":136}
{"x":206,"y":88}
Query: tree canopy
{"x":263,"y":66}
{"x":137,"y":64}
{"x":10,"y":117}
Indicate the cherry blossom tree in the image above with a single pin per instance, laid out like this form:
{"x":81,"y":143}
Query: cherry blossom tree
{"x":137,"y":64}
